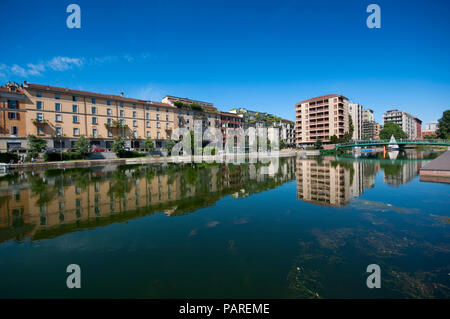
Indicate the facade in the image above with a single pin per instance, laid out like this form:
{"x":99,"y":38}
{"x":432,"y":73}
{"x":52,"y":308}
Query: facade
{"x":286,"y":131}
{"x":371,"y":130}
{"x":62,"y":115}
{"x":430,"y":129}
{"x":230,"y":121}
{"x":12,"y":118}
{"x":418,"y":128}
{"x":356,"y":112}
{"x":320,"y":118}
{"x":405,"y":120}
{"x":367,"y":115}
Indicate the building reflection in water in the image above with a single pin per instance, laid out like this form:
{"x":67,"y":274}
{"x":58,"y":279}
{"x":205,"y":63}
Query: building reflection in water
{"x":47,"y":204}
{"x":334,"y":182}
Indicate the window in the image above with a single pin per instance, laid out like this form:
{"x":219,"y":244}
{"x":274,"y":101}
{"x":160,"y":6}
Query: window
{"x":147,"y":123}
{"x":93,"y":101}
{"x":58,"y":131}
{"x":74,"y":98}
{"x":122,"y":122}
{"x":135,"y":134}
{"x":147,"y":116}
{"x":108,"y":112}
{"x":76,"y":131}
{"x":157,"y":117}
{"x":158,"y":125}
{"x":109,"y":121}
{"x":121,"y":104}
{"x":40,"y":130}
{"x":58,"y":118}
{"x":38,"y":105}
{"x":167,"y":126}
{"x":134,"y":106}
{"x":94,"y":110}
{"x":108,"y":102}
{"x":167,"y":117}
{"x":57,"y":96}
{"x":94,"y":120}
{"x":75,"y":119}
{"x":147,"y":107}
{"x":75,"y":108}
{"x":121,"y":113}
{"x":148,"y":133}
{"x":40,"y":116}
{"x":13,"y":104}
{"x":12,"y":115}
{"x":134,"y":123}
{"x":39,"y":94}
{"x":157,"y":109}
{"x":94,"y":132}
{"x":109,"y":132}
{"x":158,"y":135}
{"x":13,"y":130}
{"x":57,"y":107}
{"x":167,"y":110}
{"x":134,"y":114}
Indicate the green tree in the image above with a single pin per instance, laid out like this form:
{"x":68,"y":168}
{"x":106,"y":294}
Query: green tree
{"x":118,"y":145}
{"x":351,"y":129}
{"x":36,"y":145}
{"x":318,"y":144}
{"x":334,"y":139}
{"x":282,"y":144}
{"x":81,"y":145}
{"x":444,"y":126}
{"x":149,"y":144}
{"x":390,"y":129}
{"x":169,"y":145}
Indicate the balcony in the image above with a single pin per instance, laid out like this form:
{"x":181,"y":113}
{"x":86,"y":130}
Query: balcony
{"x":40,"y":121}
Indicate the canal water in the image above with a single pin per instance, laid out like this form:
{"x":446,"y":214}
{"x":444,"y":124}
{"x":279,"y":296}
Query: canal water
{"x":288,"y":228}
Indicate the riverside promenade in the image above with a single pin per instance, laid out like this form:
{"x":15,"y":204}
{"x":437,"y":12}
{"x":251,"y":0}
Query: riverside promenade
{"x":152,"y":160}
{"x":438,"y":170}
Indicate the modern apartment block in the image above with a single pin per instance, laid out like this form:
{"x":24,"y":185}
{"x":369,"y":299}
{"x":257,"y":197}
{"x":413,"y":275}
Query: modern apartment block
{"x":406,"y":121}
{"x":320,"y":118}
{"x":367,"y":115}
{"x":356,"y":112}
{"x":371,"y":130}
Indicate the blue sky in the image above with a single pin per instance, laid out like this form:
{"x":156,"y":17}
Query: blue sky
{"x":262,"y":55}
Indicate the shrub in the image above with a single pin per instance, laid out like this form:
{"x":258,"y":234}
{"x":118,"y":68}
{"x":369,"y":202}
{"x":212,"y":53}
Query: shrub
{"x":8,"y":157}
{"x":66,"y":156}
{"x":130,"y":154}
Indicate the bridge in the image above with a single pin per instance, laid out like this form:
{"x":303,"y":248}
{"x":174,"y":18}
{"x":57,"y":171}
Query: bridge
{"x":363,"y":143}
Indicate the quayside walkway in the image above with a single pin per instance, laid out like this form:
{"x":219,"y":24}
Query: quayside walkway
{"x":438,"y":170}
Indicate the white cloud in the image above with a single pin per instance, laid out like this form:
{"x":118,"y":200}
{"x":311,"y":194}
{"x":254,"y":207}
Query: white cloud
{"x":62,"y":63}
{"x":18,"y":70}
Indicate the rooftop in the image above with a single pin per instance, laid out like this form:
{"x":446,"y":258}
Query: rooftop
{"x":321,"y":98}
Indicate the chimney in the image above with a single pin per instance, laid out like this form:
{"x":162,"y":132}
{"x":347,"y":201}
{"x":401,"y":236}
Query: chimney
{"x":121,"y":93}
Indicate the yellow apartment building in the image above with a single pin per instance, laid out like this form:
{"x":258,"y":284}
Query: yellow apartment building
{"x":62,"y":115}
